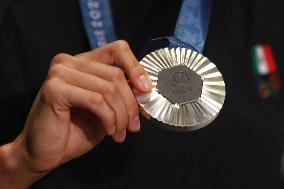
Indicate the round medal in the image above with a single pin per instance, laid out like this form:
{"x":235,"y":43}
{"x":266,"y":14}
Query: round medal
{"x":188,"y":90}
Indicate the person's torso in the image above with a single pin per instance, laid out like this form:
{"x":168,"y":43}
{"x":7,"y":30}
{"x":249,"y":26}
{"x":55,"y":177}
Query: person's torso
{"x":240,"y":149}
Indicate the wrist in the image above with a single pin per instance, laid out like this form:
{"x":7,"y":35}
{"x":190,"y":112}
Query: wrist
{"x":14,"y":172}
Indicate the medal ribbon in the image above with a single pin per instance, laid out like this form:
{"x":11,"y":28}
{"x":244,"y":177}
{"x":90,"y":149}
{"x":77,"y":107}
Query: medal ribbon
{"x":97,"y":19}
{"x":191,"y":28}
{"x":192,"y":25}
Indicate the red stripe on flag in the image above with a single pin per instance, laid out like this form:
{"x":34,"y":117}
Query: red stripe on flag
{"x":270,"y":58}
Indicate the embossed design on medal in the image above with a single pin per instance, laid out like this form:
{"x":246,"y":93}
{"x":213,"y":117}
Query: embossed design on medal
{"x":188,"y":89}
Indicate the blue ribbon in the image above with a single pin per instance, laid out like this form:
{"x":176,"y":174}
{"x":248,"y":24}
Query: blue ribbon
{"x":192,"y":25}
{"x":97,"y":19}
{"x":191,"y":28}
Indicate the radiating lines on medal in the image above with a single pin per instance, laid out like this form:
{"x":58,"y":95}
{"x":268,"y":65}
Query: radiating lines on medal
{"x":174,"y":70}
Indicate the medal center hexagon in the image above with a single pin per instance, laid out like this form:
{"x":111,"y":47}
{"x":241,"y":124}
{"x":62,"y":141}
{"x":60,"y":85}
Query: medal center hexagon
{"x":180,"y":84}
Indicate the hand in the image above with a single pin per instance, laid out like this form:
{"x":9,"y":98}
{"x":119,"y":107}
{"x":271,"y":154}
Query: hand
{"x":83,"y":99}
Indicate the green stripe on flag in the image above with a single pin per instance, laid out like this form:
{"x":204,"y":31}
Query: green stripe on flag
{"x":254,"y":61}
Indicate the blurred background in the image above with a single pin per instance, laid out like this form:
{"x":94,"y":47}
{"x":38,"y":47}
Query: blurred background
{"x":242,"y":148}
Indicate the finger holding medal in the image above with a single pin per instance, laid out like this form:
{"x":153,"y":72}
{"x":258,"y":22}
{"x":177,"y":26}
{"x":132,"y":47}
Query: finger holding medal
{"x":111,"y":62}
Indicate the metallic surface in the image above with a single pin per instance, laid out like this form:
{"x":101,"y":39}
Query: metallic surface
{"x":190,"y":114}
{"x":179,"y":84}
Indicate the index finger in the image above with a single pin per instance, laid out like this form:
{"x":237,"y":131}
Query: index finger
{"x":119,"y":53}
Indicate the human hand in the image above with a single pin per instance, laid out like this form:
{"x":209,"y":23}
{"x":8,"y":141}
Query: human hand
{"x":83,"y":99}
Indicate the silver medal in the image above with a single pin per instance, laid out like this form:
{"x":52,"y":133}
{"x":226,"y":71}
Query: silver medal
{"x":188,"y":90}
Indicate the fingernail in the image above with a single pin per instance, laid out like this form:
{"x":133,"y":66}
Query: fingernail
{"x":145,"y":82}
{"x":112,"y":130}
{"x":136,"y":123}
{"x":121,"y":136}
